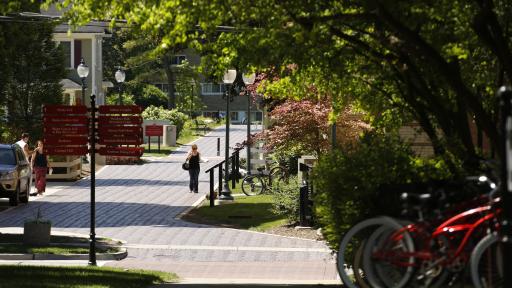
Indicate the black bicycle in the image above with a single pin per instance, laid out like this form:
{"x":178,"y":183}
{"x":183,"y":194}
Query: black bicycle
{"x":262,"y":182}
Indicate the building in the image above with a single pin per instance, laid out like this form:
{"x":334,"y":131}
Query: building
{"x":212,"y":93}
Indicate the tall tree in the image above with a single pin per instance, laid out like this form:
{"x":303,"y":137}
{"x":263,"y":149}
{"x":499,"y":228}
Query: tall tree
{"x":32,"y":67}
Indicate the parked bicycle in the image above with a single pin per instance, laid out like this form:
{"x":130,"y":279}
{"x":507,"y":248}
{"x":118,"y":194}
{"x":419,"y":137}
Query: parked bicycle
{"x":262,"y":182}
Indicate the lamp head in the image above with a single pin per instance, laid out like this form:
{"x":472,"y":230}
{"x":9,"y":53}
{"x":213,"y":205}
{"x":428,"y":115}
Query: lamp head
{"x":249,"y":78}
{"x":82,"y":69}
{"x":229,"y":76}
{"x":120,"y":76}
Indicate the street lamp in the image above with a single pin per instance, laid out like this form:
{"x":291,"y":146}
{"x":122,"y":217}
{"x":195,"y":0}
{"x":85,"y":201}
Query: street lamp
{"x":236,"y":85}
{"x":248,"y":80}
{"x":83,"y":72}
{"x":120,"y":76}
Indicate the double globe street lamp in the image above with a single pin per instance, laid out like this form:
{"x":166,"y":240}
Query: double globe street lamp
{"x":83,"y":72}
{"x":236,"y":82}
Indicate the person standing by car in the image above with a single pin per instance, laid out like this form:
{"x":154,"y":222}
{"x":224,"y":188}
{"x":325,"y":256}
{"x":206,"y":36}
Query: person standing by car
{"x":40,"y":165}
{"x":23,"y":143}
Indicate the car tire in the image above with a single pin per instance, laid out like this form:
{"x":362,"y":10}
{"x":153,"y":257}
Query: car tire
{"x":14,"y":199}
{"x":24,"y":198}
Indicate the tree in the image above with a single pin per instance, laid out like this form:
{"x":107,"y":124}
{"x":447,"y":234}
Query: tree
{"x":299,"y":126}
{"x":32,"y":67}
{"x":438,"y":61}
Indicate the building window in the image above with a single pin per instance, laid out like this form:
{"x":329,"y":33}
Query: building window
{"x":67,"y":48}
{"x":163,"y":87}
{"x":212,"y":89}
{"x":178,"y":59}
{"x":234,"y":116}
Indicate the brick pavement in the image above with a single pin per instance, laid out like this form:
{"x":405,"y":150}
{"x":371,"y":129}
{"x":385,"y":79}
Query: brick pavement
{"x":139,"y":204}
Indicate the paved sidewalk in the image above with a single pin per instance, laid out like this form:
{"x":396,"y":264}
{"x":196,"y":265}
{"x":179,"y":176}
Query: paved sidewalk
{"x":140,"y":204}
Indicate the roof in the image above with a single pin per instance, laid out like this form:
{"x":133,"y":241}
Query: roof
{"x":99,"y":27}
{"x":6,"y":146}
{"x":68,"y":84}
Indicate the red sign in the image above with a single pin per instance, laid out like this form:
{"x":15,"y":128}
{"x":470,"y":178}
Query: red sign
{"x":155,"y":130}
{"x":64,"y":109}
{"x":66,"y":130}
{"x":120,"y":130}
{"x":121,"y":151}
{"x":62,"y":120}
{"x":126,"y":140}
{"x":120,"y":120}
{"x":66,"y":150}
{"x":59,"y":140}
{"x":120,"y":109}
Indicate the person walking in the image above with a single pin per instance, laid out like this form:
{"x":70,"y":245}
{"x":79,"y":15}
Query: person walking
{"x":23,"y":143}
{"x":193,"y":159}
{"x":40,"y":165}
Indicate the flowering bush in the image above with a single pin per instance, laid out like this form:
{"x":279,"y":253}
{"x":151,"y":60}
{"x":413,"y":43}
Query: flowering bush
{"x":159,"y":113}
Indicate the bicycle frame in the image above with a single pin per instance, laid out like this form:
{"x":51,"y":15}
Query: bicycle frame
{"x":448,"y":230}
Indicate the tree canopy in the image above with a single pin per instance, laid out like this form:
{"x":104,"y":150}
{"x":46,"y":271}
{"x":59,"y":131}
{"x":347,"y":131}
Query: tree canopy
{"x":437,"y":62}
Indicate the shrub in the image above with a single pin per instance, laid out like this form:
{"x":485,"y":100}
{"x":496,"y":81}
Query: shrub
{"x":159,"y":113}
{"x":286,"y":200}
{"x":346,"y":182}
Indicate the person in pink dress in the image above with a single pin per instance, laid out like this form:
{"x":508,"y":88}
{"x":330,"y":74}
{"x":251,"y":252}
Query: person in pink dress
{"x":40,"y":166}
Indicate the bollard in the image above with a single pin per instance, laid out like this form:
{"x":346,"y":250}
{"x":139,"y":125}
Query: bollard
{"x":303,"y":201}
{"x":218,"y":146}
{"x":212,"y":192}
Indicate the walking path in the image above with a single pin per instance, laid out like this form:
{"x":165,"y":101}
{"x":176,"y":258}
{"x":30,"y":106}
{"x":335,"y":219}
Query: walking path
{"x":140,"y":204}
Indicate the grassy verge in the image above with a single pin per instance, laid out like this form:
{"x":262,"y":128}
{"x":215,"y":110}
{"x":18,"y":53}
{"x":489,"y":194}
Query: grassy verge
{"x":13,"y":243}
{"x":187,"y":135}
{"x":246,"y":212}
{"x":164,"y":150}
{"x":51,"y":276}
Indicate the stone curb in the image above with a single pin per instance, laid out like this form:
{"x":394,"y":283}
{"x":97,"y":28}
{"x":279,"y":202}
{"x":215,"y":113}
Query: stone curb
{"x":36,"y":256}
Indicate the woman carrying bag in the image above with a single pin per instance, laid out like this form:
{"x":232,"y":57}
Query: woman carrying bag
{"x":193,"y":159}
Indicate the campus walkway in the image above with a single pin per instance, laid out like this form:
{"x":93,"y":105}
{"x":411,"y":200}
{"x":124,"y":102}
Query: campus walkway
{"x":140,"y":204}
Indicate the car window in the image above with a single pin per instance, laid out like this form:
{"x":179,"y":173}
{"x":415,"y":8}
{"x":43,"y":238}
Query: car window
{"x":7,"y":157}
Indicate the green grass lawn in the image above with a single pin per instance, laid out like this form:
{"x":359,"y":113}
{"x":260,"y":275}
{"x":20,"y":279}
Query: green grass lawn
{"x":13,"y":243}
{"x":246,"y":212}
{"x":55,"y":277}
{"x":164,"y":150}
{"x":187,"y":135}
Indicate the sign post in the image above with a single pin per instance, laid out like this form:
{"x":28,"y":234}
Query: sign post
{"x":92,"y":248}
{"x":154,"y":130}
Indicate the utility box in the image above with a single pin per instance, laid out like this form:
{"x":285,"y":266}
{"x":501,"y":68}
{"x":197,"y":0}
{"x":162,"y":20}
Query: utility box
{"x":169,"y":135}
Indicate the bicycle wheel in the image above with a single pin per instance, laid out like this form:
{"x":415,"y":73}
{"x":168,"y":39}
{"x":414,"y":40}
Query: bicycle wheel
{"x":353,"y":239}
{"x":486,"y":263}
{"x":386,"y":257}
{"x":252,"y":185}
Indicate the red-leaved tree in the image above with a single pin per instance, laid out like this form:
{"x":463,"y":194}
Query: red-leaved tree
{"x":299,"y":126}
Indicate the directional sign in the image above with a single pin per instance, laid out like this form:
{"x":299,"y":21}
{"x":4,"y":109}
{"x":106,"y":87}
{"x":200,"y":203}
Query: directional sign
{"x":64,"y":109}
{"x":154,"y":130}
{"x":65,"y":130}
{"x":137,"y":130}
{"x":60,"y":140}
{"x":120,"y":120}
{"x":64,"y":120}
{"x":120,"y":109}
{"x":126,"y":140}
{"x":121,"y":151}
{"x":65,"y":150}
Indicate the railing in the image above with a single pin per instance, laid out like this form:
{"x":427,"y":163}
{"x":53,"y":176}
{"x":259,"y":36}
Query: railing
{"x":235,"y":160}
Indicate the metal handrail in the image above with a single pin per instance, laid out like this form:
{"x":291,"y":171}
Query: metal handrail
{"x":236,"y":166}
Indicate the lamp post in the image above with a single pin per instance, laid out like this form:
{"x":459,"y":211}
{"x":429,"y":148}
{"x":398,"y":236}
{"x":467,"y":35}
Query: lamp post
{"x":236,"y":85}
{"x":248,"y":79}
{"x":83,"y":72}
{"x":120,"y":76}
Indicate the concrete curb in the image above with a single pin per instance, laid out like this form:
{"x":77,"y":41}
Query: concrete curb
{"x":36,"y":256}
